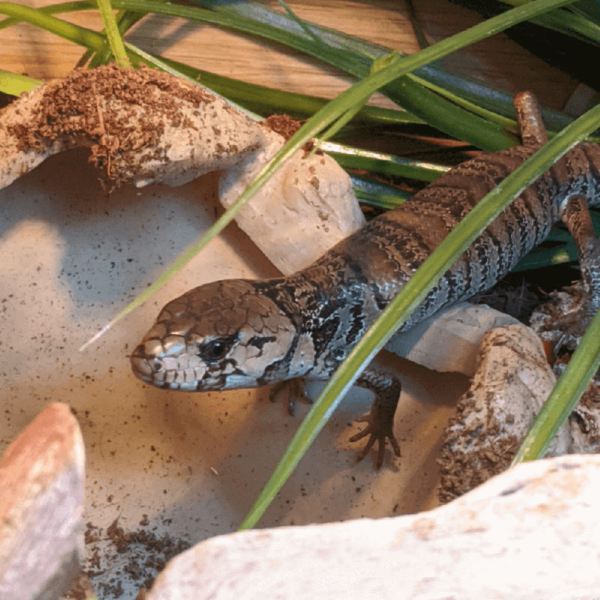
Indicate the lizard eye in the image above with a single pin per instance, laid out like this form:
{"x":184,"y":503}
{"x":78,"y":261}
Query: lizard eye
{"x":214,"y":350}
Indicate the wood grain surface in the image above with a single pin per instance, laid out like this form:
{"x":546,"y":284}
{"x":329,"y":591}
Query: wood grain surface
{"x":498,"y":61}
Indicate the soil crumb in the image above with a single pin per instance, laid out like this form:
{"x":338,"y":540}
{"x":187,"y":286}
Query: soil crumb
{"x":119,"y":561}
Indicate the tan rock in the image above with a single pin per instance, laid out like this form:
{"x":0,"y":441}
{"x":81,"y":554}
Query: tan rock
{"x":41,"y":504}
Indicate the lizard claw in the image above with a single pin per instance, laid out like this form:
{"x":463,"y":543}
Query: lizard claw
{"x":377,"y":433}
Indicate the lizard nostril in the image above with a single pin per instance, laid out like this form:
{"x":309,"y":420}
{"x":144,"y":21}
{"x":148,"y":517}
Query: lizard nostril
{"x":157,"y":365}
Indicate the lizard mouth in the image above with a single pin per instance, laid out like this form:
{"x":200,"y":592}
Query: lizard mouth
{"x":141,"y":366}
{"x":179,"y":371}
{"x":146,"y":367}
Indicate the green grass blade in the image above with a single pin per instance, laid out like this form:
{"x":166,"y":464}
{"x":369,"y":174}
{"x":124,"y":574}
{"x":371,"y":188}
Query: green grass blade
{"x":267,"y":23}
{"x":74,"y":33}
{"x":125,"y":21}
{"x":578,"y":21}
{"x":300,"y":22}
{"x":65,"y":7}
{"x":489,"y":115}
{"x":571,"y":24}
{"x":411,"y":296}
{"x":113,"y":34}
{"x":86,"y":37}
{"x":579,"y":372}
{"x":68,"y":31}
{"x":388,"y":164}
{"x":266,"y":101}
{"x":448,"y":117}
{"x":588,"y":8}
{"x":361,"y":50}
{"x":488,"y":98}
{"x":437,"y":111}
{"x":341,"y":46}
{"x":14,"y":84}
{"x":378,"y":65}
{"x":374,"y":193}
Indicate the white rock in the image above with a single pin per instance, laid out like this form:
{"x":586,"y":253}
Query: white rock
{"x":305,"y":209}
{"x":41,"y":505}
{"x":142,"y":126}
{"x":450,"y":340}
{"x":530,"y":533}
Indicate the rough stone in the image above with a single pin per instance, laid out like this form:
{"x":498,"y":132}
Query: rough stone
{"x":302,"y":211}
{"x":450,"y":340}
{"x":529,"y":533}
{"x":512,"y":383}
{"x":41,"y":505}
{"x":142,"y":126}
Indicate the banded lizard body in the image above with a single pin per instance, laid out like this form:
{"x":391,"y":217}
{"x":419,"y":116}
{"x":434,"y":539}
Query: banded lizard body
{"x":240,"y":333}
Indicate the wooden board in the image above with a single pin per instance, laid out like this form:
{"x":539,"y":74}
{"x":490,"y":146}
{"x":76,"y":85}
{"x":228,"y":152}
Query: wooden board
{"x":498,"y":61}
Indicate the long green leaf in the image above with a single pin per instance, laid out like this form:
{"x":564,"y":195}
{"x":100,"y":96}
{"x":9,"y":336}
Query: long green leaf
{"x":360,"y":51}
{"x":65,"y":7}
{"x":374,"y":193}
{"x":355,"y":158}
{"x":266,"y":101}
{"x":354,"y":56}
{"x":571,"y":24}
{"x":15,"y":85}
{"x":435,"y":110}
{"x":125,"y":20}
{"x":576,"y":23}
{"x":74,"y":33}
{"x":113,"y":34}
{"x":448,"y":117}
{"x":440,"y":113}
{"x":468,"y":104}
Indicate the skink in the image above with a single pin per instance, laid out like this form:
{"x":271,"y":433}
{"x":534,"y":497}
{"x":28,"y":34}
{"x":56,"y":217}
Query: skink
{"x":241,"y":333}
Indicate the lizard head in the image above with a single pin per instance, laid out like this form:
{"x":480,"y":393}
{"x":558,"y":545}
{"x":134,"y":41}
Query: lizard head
{"x":222,"y":335}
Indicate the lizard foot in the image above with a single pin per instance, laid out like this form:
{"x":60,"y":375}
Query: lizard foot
{"x":293,"y":389}
{"x":568,"y":341}
{"x":378,"y":432}
{"x":386,"y":387}
{"x":562,"y":321}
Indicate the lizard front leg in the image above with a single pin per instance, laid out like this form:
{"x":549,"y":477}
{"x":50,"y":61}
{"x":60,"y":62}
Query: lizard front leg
{"x":386,"y":387}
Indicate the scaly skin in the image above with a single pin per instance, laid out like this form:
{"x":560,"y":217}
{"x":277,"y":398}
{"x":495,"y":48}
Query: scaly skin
{"x":239,"y":333}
